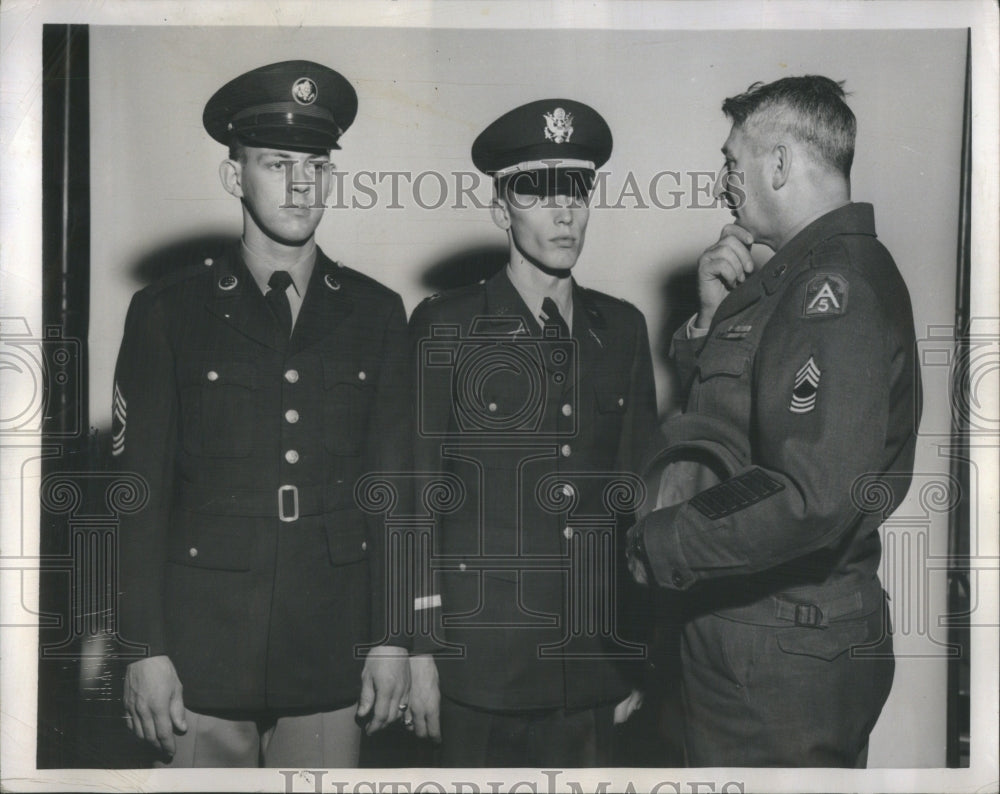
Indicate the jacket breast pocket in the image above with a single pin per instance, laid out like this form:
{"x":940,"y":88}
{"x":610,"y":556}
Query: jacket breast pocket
{"x":349,"y":394}
{"x":723,"y":383}
{"x":217,"y":408}
{"x":346,"y":537}
{"x":611,"y":400}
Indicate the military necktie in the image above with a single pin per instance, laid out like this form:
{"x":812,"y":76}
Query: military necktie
{"x":277,"y":299}
{"x":553,"y":318}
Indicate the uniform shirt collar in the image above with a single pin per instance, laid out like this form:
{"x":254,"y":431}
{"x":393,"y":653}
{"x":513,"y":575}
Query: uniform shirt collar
{"x":261,"y":267}
{"x":561,"y":293}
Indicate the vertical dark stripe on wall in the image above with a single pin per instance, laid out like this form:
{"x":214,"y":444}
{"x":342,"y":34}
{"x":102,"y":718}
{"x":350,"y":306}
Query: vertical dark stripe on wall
{"x":66,"y":203}
{"x":960,"y":598}
{"x":65,"y":312}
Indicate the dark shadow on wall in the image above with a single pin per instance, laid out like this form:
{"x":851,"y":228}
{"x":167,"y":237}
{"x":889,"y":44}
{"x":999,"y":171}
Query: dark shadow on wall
{"x":679,"y":297}
{"x":466,"y":266}
{"x":167,"y":259}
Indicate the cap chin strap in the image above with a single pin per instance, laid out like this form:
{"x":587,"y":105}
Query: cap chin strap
{"x":538,"y":165}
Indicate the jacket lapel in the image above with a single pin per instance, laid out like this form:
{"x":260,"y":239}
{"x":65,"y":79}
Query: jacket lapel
{"x":746,"y":294}
{"x":325,"y":306}
{"x":593,"y":342}
{"x":506,"y":313}
{"x":236,"y":300}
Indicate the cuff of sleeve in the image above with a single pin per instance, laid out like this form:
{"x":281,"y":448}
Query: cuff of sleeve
{"x":661,"y":538}
{"x":692,"y":331}
{"x":685,"y":348}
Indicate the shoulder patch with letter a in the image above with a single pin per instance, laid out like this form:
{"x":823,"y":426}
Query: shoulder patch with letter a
{"x":826,"y":296}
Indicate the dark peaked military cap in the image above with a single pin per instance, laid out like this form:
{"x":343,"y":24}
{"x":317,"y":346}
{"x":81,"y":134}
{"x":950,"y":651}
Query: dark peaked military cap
{"x":297,"y":105}
{"x":545,"y":147}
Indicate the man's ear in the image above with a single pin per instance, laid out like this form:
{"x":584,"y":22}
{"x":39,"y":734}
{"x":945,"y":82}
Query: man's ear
{"x":328,"y":169}
{"x":230,"y":174}
{"x":781,"y":157}
{"x":500,"y":213}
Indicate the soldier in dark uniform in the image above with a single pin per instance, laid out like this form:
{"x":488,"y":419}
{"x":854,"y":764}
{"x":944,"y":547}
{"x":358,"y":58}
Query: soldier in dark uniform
{"x":803,"y":391}
{"x":251,"y":392}
{"x":537,"y":396}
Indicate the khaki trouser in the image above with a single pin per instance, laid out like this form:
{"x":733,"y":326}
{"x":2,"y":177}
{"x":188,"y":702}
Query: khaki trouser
{"x":327,"y":740}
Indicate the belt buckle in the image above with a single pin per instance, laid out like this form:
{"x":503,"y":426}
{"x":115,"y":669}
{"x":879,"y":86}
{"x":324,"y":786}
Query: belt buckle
{"x":808,"y":615}
{"x":294,"y":491}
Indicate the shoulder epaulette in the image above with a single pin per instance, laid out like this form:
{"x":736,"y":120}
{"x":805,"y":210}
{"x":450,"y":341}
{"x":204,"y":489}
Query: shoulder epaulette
{"x":180,"y":275}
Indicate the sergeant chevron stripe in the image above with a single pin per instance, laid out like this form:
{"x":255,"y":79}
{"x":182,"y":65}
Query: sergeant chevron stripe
{"x":118,"y":414}
{"x":806,"y":388}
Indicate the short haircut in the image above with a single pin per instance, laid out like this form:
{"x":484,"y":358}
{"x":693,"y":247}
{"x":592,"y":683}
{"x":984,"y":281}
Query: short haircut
{"x":237,"y":150}
{"x":811,"y":108}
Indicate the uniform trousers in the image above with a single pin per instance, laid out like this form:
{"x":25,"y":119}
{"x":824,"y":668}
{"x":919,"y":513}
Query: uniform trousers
{"x":562,"y":738}
{"x":330,"y":739}
{"x":762,"y":696}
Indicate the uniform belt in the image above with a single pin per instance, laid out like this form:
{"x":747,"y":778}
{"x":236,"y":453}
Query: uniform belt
{"x":287,"y":502}
{"x":813,"y":611}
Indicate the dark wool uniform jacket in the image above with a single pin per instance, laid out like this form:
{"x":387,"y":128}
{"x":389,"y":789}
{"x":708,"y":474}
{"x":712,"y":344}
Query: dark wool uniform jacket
{"x":539,"y":440}
{"x":810,"y":366}
{"x":261,"y":597}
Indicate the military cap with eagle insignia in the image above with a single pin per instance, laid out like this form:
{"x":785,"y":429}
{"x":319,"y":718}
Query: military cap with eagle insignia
{"x":544,"y":147}
{"x":297,"y":105}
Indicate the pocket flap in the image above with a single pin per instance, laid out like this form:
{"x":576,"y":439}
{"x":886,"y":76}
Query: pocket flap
{"x":826,"y":643}
{"x":723,"y":358}
{"x":216,"y":548}
{"x":611,"y":398}
{"x":351,"y":372}
{"x":220,"y":372}
{"x":346,"y":537}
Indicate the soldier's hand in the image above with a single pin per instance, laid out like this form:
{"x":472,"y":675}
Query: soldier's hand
{"x":628,"y":707}
{"x":425,"y":697}
{"x":385,"y":686}
{"x":635,"y":555}
{"x":154,"y":706}
{"x":722,"y":267}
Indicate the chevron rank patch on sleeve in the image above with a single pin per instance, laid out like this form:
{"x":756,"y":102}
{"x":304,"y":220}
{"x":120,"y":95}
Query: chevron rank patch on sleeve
{"x":826,"y":296}
{"x":118,"y":413}
{"x":806,"y":388}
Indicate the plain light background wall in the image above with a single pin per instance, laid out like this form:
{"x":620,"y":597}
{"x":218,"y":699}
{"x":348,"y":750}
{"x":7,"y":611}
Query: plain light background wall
{"x":424,"y":96}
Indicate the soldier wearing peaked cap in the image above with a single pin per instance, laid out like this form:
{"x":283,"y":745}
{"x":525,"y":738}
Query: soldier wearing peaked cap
{"x":541,"y":414}
{"x":251,"y":393}
{"x":802,"y":385}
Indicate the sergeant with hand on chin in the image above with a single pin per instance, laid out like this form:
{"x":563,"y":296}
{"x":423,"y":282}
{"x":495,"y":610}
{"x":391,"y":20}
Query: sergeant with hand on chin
{"x":802,"y":388}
